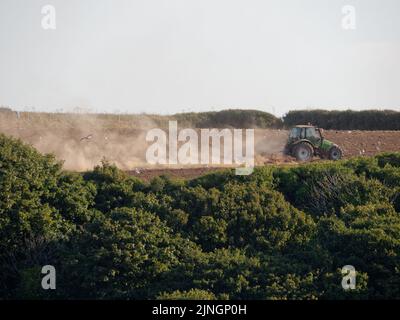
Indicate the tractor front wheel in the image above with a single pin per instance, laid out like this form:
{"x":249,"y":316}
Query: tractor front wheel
{"x":335,"y":153}
{"x":303,"y":152}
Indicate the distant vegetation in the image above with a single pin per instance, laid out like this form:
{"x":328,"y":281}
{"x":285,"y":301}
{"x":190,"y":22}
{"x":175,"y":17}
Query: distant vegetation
{"x":346,"y":120}
{"x":280,"y":233}
{"x":215,"y":119}
{"x":229,"y":118}
{"x":236,"y":118}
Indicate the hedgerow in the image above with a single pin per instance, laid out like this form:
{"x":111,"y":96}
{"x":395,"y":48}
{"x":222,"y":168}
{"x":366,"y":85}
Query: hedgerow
{"x":280,"y":233}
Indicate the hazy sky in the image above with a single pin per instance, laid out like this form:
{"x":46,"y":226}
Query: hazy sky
{"x":166,"y":56}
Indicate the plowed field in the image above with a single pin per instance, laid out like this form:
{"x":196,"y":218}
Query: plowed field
{"x":82,"y":142}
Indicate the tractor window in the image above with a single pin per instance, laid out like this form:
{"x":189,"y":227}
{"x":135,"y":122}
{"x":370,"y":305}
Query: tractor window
{"x":313,"y":133}
{"x":295,"y":133}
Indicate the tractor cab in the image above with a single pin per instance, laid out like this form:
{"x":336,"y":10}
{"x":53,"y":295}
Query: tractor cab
{"x":306,"y":141}
{"x":310,"y":133}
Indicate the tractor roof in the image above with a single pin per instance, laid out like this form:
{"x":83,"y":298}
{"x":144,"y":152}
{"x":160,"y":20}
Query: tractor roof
{"x":304,"y":126}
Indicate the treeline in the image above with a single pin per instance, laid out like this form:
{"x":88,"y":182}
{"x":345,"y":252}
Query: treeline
{"x":280,"y":233}
{"x":216,"y":119}
{"x":345,"y":120}
{"x":235,"y":118}
{"x":232,"y":118}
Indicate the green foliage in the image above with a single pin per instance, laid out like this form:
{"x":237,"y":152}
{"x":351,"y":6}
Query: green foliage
{"x":261,"y":177}
{"x":114,"y":188}
{"x":345,"y":120}
{"x":229,"y":273}
{"x":323,"y":189}
{"x":192,"y":294}
{"x":280,"y":233}
{"x":367,"y":237}
{"x":126,"y":253}
{"x":388,"y":158}
{"x":228,"y":118}
{"x":260,"y":218}
{"x":30,"y":224}
{"x":73,"y":197}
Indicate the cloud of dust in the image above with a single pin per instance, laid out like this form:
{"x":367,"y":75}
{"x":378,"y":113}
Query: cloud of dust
{"x":83,"y":140}
{"x":269,"y":145}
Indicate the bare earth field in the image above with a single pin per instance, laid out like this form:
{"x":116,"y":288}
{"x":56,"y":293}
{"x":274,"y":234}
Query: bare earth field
{"x":83,"y":141}
{"x":353,"y":143}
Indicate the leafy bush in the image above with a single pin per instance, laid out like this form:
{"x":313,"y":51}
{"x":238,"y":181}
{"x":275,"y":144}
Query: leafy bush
{"x":325,"y":188}
{"x":192,"y":294}
{"x":345,"y":120}
{"x":125,"y":251}
{"x":228,"y":118}
{"x":367,"y":237}
{"x":30,"y":224}
{"x":280,"y":233}
{"x":388,"y":158}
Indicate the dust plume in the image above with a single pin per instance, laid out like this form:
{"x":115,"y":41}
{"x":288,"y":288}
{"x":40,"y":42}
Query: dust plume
{"x":83,"y":140}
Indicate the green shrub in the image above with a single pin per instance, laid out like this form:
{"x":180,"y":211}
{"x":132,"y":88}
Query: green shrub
{"x":388,"y":158}
{"x":322,"y":189}
{"x":345,"y":120}
{"x":192,"y":294}
{"x":30,"y":224}
{"x":367,"y":237}
{"x":280,"y":233}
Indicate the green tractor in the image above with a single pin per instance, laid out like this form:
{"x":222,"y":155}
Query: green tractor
{"x":306,"y":141}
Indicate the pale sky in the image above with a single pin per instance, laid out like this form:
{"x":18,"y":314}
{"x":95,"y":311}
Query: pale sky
{"x":168,"y":56}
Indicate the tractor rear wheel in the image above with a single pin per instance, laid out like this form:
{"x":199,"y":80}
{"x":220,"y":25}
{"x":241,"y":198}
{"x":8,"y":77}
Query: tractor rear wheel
{"x":303,"y":152}
{"x":335,"y":153}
